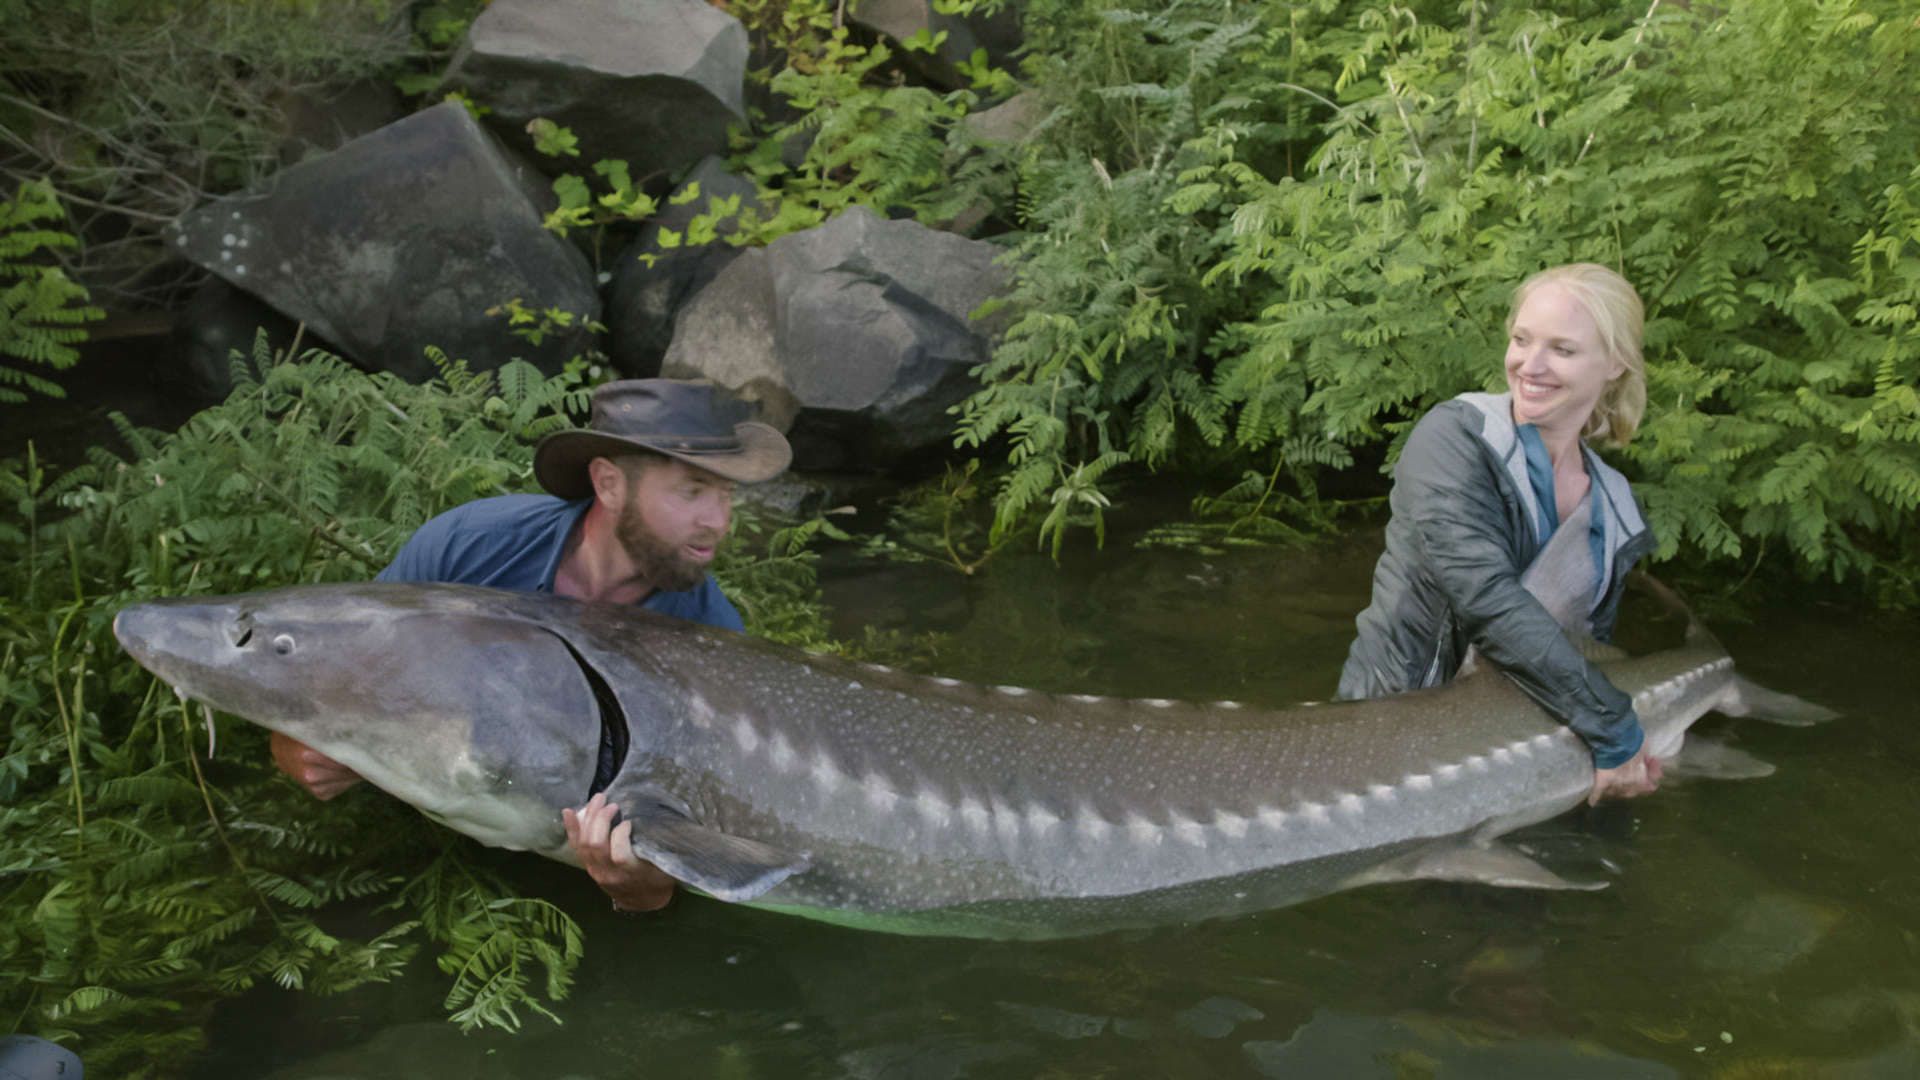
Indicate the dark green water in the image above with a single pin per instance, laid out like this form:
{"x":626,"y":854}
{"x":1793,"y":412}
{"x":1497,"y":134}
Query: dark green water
{"x":1756,"y":929}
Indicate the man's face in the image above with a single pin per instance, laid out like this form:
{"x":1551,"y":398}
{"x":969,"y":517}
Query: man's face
{"x":673,"y":520}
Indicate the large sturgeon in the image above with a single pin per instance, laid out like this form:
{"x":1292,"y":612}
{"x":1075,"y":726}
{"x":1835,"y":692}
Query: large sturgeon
{"x":860,"y":794}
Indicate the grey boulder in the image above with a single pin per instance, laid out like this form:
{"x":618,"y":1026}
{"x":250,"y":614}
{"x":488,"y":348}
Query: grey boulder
{"x":652,"y":82}
{"x":652,"y":283}
{"x":854,"y":335}
{"x":402,"y":239}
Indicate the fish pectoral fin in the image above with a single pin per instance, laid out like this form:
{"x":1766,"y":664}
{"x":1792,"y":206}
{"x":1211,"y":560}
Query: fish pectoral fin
{"x":1703,"y":758}
{"x":1744,"y":698}
{"x":731,"y":868}
{"x":1481,"y":864}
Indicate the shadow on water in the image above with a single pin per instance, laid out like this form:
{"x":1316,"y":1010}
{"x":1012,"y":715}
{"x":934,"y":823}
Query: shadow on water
{"x":1759,"y":928}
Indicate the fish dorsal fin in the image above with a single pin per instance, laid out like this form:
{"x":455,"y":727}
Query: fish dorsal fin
{"x":724,"y":866}
{"x":1597,"y":651}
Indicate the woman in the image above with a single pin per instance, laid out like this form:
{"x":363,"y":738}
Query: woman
{"x":1483,"y":484}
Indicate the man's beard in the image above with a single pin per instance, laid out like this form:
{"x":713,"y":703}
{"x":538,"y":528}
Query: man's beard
{"x":663,"y":565}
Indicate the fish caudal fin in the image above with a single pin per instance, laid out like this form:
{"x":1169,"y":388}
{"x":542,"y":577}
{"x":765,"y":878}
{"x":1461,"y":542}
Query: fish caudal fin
{"x":1480,"y":864}
{"x":1702,"y":758}
{"x":1744,"y":698}
{"x":726,"y":867}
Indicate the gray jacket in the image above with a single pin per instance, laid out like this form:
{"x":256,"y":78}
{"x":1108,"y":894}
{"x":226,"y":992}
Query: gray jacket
{"x":1463,"y":531}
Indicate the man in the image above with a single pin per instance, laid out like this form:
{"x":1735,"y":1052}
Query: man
{"x":640,"y":501}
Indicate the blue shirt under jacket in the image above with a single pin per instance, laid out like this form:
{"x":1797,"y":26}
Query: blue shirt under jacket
{"x":515,"y":542}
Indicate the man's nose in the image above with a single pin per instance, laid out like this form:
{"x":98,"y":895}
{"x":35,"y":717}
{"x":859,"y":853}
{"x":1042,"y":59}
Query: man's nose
{"x":715,"y":514}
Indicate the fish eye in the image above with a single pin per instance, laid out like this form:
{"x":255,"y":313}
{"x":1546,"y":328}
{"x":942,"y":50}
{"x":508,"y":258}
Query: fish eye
{"x":283,"y":644}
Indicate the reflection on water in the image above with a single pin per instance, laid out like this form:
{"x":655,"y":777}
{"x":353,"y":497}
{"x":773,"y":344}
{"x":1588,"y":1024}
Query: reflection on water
{"x":1756,"y":928}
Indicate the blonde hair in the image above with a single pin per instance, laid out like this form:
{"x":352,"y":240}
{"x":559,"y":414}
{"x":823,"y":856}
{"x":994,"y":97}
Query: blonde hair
{"x":1621,"y":319}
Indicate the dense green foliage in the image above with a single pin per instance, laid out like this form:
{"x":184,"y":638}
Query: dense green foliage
{"x":144,"y":875}
{"x":43,"y":313}
{"x":1273,"y":234}
{"x":867,"y":137}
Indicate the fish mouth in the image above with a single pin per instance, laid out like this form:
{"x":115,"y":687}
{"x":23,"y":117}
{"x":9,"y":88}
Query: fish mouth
{"x":614,"y":738}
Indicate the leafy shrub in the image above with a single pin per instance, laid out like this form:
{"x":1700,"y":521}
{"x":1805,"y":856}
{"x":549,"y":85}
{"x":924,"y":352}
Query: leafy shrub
{"x":1284,"y":231}
{"x":42,"y":311}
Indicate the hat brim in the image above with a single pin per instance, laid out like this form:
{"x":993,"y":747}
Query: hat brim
{"x":560,"y":461}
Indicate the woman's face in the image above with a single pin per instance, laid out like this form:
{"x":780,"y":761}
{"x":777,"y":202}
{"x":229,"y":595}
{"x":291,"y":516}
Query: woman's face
{"x":1556,"y":366}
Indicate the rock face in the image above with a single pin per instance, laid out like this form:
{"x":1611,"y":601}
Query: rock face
{"x":399,"y":240}
{"x":1008,"y":122}
{"x":654,"y":83}
{"x":645,"y":299}
{"x":853,"y":335}
{"x":900,"y":20}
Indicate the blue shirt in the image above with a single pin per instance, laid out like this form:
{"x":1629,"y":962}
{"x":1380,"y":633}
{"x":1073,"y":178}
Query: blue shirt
{"x":515,"y":542}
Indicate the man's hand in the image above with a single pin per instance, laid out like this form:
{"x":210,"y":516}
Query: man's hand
{"x":1638,"y":776}
{"x":322,"y":776}
{"x":606,"y":850}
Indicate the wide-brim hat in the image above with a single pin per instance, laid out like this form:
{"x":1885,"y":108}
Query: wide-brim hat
{"x":687,"y":420}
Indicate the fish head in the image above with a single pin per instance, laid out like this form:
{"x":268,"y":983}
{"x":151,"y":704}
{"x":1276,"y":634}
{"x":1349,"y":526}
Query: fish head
{"x":448,"y":698}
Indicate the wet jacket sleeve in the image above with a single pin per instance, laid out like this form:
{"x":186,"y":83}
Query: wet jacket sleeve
{"x":1444,"y":481}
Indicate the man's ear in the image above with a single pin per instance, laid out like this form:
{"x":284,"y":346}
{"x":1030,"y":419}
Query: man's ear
{"x":609,"y":483}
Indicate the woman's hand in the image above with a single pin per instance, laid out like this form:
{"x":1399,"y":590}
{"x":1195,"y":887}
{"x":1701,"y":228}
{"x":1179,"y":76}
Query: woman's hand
{"x":322,"y":776}
{"x":606,"y":851}
{"x":1638,"y":776}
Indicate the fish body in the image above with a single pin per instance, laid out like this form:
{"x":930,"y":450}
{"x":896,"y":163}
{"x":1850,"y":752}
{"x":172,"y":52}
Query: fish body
{"x":861,"y":794}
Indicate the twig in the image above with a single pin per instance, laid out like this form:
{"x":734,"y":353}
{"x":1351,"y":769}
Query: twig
{"x":1473,"y":120}
{"x":321,"y":529}
{"x":1533,"y":76}
{"x":1394,"y":92}
{"x":1329,"y":103}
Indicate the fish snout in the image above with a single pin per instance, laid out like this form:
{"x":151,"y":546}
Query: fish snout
{"x":133,"y":628}
{"x":170,"y":632}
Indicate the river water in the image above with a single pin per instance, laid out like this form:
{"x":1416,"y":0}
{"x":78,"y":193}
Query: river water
{"x":1750,"y":929}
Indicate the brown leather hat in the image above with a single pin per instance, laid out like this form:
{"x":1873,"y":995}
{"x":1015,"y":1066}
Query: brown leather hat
{"x":687,"y":420}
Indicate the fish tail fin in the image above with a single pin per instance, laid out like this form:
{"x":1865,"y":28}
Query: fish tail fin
{"x":1747,"y":698}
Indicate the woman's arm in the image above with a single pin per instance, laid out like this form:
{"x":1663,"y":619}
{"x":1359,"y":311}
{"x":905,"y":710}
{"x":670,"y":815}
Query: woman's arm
{"x":1446,"y":489}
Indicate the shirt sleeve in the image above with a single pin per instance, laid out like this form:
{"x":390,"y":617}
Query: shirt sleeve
{"x":1456,"y":509}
